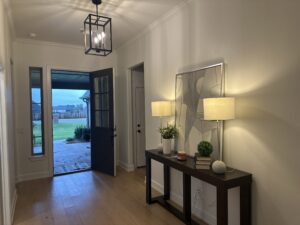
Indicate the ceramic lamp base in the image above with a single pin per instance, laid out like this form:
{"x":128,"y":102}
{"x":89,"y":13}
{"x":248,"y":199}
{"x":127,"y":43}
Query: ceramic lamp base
{"x":166,"y":146}
{"x":219,"y":167}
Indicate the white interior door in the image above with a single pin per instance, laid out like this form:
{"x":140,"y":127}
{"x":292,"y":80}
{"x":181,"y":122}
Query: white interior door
{"x":140,"y":126}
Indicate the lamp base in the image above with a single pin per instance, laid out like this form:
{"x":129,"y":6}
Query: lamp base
{"x":219,"y":167}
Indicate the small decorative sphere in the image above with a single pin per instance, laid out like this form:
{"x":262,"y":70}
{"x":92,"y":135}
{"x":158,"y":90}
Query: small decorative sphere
{"x":219,"y":167}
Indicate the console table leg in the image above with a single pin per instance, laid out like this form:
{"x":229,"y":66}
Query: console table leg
{"x":166,"y":182}
{"x":222,"y":206}
{"x":187,"y":199}
{"x":148,"y":180}
{"x":245,"y":204}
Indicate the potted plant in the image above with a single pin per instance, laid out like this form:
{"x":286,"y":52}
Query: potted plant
{"x":205,"y":148}
{"x":202,"y":158}
{"x":167,"y":133}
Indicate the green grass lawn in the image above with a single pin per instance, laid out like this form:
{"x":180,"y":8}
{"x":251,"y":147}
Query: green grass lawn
{"x":62,"y":130}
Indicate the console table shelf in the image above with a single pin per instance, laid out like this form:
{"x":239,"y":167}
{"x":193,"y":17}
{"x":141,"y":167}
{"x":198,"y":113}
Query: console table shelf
{"x":234,"y":178}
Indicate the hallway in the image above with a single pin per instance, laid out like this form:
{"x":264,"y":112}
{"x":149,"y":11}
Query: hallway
{"x":89,"y":198}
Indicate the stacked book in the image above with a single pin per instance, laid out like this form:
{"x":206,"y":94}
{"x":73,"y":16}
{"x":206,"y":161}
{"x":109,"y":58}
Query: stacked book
{"x":202,"y":163}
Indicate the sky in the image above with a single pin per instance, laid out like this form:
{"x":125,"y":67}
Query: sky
{"x":61,"y":96}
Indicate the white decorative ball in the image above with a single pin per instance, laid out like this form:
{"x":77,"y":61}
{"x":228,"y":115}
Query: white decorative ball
{"x":219,"y":167}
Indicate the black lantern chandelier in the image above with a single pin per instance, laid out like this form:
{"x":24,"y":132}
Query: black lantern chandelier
{"x":97,"y":33}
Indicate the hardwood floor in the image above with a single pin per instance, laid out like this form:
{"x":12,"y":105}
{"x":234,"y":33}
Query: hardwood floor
{"x":89,"y":198}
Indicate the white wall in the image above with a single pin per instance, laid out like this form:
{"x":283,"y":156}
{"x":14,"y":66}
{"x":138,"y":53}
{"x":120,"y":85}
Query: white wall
{"x":6,"y":117}
{"x":259,"y":41}
{"x":30,"y":53}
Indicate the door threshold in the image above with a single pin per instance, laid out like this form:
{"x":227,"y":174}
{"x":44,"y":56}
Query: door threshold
{"x":77,"y":171}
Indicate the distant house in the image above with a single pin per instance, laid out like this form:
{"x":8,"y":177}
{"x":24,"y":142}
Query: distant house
{"x":86,"y":98}
{"x":69,"y":111}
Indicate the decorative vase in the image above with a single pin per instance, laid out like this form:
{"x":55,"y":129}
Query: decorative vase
{"x":219,"y":167}
{"x":166,"y":146}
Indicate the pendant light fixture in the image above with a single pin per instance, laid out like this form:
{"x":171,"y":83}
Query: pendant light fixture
{"x":97,"y":33}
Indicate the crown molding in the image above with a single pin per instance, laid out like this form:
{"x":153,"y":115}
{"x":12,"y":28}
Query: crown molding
{"x":157,"y":22}
{"x":47,"y":43}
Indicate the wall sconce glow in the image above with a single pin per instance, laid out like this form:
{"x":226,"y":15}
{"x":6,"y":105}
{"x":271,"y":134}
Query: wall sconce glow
{"x":161,"y":108}
{"x":219,"y":108}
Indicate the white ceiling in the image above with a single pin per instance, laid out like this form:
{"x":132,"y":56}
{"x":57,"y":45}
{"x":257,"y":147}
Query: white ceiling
{"x":61,"y":20}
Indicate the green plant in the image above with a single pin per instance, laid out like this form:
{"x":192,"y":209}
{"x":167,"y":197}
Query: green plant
{"x":82,"y":133}
{"x":205,"y":148}
{"x":168,"y":132}
{"x":78,"y":133}
{"x":86,"y":134}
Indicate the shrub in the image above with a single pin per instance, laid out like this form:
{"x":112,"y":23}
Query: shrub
{"x":86,"y":136}
{"x":78,"y":132}
{"x":82,"y":133}
{"x":205,"y":148}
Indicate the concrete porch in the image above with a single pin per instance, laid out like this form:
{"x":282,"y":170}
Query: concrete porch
{"x":71,"y":157}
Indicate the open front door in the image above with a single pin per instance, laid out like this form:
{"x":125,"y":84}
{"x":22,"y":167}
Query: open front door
{"x":102,"y":121}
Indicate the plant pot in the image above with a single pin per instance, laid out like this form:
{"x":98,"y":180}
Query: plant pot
{"x":166,"y":146}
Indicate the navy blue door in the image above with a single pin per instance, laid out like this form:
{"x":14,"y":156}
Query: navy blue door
{"x":102,"y":121}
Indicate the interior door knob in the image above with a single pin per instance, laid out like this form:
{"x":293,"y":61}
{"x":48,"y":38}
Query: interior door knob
{"x":139,"y":131}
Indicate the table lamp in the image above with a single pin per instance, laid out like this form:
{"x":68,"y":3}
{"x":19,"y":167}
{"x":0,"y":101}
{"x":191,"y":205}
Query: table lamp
{"x":161,"y":109}
{"x":219,"y":109}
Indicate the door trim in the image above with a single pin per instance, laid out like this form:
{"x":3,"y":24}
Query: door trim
{"x":5,"y":176}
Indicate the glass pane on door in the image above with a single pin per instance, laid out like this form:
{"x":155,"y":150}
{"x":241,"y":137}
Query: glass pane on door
{"x":101,"y":98}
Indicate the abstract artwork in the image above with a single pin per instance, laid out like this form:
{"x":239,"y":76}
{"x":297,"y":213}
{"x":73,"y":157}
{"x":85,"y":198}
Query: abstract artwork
{"x":191,"y":88}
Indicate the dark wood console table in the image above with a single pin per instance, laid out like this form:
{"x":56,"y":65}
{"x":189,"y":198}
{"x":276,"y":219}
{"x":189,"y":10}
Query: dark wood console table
{"x":235,"y":178}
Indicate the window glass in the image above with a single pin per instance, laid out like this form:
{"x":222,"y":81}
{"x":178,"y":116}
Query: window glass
{"x":37,"y":131}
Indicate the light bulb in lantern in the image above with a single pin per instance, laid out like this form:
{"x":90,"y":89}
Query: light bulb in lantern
{"x":96,"y":40}
{"x":99,"y":36}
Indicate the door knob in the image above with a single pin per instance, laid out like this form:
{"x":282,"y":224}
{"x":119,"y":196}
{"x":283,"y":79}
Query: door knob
{"x":139,"y":131}
{"x":138,"y":125}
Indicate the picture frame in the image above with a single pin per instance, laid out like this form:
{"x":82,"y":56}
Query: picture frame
{"x":191,"y":87}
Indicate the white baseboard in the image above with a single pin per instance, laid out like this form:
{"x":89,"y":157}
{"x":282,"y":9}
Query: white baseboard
{"x":32,"y":176}
{"x":13,"y":205}
{"x":126,"y":166}
{"x":178,"y":199}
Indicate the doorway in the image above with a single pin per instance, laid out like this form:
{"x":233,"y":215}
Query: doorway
{"x":138,"y":114}
{"x":71,"y":121}
{"x":86,"y":120}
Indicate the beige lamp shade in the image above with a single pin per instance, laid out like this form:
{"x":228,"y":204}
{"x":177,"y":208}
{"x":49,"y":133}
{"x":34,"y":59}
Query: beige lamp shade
{"x":219,"y":108}
{"x":161,"y":108}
